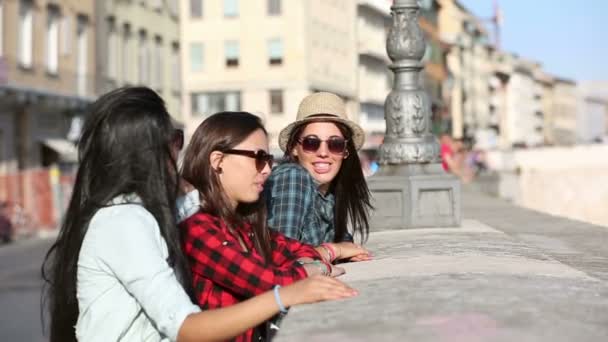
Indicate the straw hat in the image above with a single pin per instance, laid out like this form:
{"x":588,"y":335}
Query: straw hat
{"x":322,"y":106}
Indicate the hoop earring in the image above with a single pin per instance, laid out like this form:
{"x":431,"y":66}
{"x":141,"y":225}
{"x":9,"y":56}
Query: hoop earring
{"x":346,"y":154}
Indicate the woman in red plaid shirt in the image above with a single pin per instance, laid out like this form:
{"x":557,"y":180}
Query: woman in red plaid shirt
{"x":232,"y":253}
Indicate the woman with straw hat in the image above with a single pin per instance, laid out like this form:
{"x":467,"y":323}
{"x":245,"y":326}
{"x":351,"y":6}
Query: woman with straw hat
{"x":320,"y":190}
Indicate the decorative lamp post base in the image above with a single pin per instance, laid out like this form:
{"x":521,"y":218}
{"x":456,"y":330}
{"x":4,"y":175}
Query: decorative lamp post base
{"x":414,"y":196}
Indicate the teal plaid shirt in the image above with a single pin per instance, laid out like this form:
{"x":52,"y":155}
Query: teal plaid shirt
{"x":296,"y":208}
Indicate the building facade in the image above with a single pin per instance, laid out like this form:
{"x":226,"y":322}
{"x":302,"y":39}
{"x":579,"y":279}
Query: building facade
{"x":435,"y":76}
{"x":518,"y":102}
{"x":297,"y":47}
{"x":524,"y":108}
{"x":47,"y":74}
{"x":563,"y":121}
{"x":593,"y":112}
{"x":498,"y":99}
{"x":470,"y":69}
{"x":375,"y":77}
{"x":138,"y":44}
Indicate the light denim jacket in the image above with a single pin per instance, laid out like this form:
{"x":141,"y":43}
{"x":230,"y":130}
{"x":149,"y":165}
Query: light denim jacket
{"x":126,"y":290}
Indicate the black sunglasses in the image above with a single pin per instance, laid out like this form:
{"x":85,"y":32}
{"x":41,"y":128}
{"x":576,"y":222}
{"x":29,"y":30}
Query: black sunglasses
{"x":178,"y":139}
{"x":312,"y":143}
{"x":261,"y":157}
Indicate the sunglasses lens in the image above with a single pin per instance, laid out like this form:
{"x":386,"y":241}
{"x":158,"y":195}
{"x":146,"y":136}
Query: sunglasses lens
{"x":261,"y":159}
{"x":311,"y":144}
{"x":336,"y":145}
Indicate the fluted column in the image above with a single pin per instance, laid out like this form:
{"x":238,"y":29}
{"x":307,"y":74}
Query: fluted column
{"x":408,"y":138}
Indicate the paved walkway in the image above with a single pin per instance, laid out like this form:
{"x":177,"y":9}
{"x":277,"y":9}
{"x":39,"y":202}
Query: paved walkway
{"x":574,"y":243}
{"x":508,"y":274}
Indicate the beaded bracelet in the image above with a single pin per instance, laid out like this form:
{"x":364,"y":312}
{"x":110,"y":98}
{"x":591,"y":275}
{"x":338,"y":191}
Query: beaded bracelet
{"x":326,"y":251}
{"x":330,"y":250}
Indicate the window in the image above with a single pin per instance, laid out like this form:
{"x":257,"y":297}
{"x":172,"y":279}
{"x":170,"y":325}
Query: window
{"x":232,"y":53}
{"x":196,"y":8}
{"x":112,"y":50}
{"x":274,"y":7}
{"x":143,"y":58}
{"x":52,"y":39}
{"x":208,"y":103}
{"x":126,"y":53}
{"x":176,"y":79}
{"x":275,"y":51}
{"x":427,"y":53}
{"x":231,"y":8}
{"x":373,"y":111}
{"x":173,"y":7}
{"x":81,"y":54}
{"x":156,"y":4}
{"x":66,"y":35}
{"x":276,"y":101}
{"x":426,"y":4}
{"x":157,"y":64}
{"x":197,"y":55}
{"x":26,"y":31}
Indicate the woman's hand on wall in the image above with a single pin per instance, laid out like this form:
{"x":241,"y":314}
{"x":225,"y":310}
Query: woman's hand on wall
{"x":351,"y":252}
{"x":337,"y":271}
{"x":314,"y":289}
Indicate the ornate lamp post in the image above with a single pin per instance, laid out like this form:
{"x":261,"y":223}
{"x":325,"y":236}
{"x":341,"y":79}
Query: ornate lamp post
{"x":410,"y":189}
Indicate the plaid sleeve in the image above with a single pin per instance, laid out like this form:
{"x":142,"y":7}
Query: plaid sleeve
{"x":222,"y":261}
{"x":289,"y":199}
{"x":285,"y":249}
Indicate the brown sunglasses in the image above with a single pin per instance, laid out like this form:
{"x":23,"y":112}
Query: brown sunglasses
{"x":261,"y":157}
{"x":312,"y":143}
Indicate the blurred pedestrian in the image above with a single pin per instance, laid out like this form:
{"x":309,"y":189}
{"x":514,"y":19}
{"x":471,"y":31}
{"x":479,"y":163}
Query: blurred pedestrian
{"x":6,"y":226}
{"x":453,"y":157}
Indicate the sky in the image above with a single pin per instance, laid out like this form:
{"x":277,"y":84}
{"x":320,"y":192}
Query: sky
{"x":569,"y":37}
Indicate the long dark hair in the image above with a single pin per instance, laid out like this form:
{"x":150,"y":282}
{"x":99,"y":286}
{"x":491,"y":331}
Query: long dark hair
{"x":125,"y":148}
{"x":221,"y":132}
{"x":349,"y":187}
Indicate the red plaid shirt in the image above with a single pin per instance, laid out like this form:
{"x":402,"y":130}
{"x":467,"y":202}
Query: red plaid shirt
{"x":224,"y":274}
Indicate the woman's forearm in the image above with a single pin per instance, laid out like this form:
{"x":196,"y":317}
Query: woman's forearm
{"x":226,"y":323}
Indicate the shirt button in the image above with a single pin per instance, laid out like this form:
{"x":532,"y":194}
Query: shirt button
{"x":225,"y":243}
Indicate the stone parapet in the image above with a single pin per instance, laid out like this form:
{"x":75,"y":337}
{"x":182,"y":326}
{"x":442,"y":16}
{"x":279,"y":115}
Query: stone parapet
{"x":507,"y":274}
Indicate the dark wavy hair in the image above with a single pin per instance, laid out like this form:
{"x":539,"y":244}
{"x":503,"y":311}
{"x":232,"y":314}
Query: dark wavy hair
{"x":125,"y":148}
{"x":221,"y":132}
{"x":349,"y":187}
